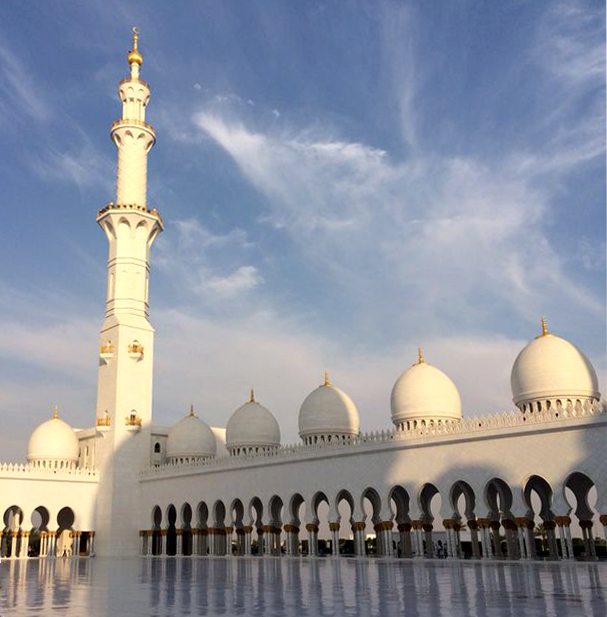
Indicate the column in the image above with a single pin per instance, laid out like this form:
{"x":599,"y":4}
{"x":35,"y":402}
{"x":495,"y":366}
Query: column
{"x":521,"y":525}
{"x":143,"y":542}
{"x":14,"y":535}
{"x":228,"y":539}
{"x":511,"y":543}
{"x":178,"y":541}
{"x":42,"y":543}
{"x":268,"y":537}
{"x":52,"y":546}
{"x":427,"y":527}
{"x":531,"y":548}
{"x":448,"y":524}
{"x":483,"y":523}
{"x":418,"y":537}
{"x":603,"y":521}
{"x":92,"y":544}
{"x":588,"y":539}
{"x":568,"y":540}
{"x":248,"y":530}
{"x":312,"y":530}
{"x":25,"y":540}
{"x":75,"y":543}
{"x":384,"y":531}
{"x":473,"y":527}
{"x":240,"y":541}
{"x":404,"y":530}
{"x":358,"y":531}
{"x":550,"y":526}
{"x":334,"y":528}
{"x":292,"y":532}
{"x":497,"y":542}
{"x":559,"y":520}
{"x":203,"y":542}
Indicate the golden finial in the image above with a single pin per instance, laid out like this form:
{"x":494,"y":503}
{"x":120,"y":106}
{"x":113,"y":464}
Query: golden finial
{"x":420,"y":355}
{"x":327,"y":381}
{"x":55,"y":412}
{"x":191,"y":409}
{"x":251,"y":396}
{"x":544,"y":326}
{"x":134,"y":55}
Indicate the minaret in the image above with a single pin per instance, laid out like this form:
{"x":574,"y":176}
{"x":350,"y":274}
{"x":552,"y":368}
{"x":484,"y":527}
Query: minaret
{"x":127,"y":337}
{"x":124,"y":387}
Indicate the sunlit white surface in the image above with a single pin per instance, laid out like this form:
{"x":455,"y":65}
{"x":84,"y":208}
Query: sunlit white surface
{"x":298,"y":586}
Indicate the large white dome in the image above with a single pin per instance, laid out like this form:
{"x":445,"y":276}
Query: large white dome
{"x":191,"y":438}
{"x":328,"y":411}
{"x":53,"y":442}
{"x":424,"y":393}
{"x":550,"y":368}
{"x":251,"y":427}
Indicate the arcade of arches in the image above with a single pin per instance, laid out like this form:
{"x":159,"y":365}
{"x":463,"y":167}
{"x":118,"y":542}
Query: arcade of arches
{"x":480,"y":526}
{"x":42,"y":535}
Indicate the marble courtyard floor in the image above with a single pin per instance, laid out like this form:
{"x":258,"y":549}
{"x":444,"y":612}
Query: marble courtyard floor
{"x":283,"y":586}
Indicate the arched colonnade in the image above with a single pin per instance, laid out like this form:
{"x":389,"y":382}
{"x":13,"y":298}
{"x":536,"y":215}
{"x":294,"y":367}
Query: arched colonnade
{"x":493,"y":521}
{"x":43,"y":534}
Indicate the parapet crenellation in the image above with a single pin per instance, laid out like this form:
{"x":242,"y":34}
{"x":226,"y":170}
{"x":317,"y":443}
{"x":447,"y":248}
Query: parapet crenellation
{"x":22,"y":470}
{"x":466,"y":427}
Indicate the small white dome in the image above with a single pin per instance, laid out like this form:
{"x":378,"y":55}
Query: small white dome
{"x":53,"y":441}
{"x":191,"y":438}
{"x":550,"y":367}
{"x":424,"y":392}
{"x":328,"y":411}
{"x":252,"y":426}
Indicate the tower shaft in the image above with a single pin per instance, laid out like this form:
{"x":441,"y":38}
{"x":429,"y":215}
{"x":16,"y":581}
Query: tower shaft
{"x":126,"y":345}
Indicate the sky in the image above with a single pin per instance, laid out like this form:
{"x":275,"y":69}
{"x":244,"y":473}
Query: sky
{"x":340,"y":182}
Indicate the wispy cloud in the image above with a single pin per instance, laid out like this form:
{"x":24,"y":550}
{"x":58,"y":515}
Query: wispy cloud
{"x":444,"y":231}
{"x":18,"y":92}
{"x":207,"y":264}
{"x":84,"y":166}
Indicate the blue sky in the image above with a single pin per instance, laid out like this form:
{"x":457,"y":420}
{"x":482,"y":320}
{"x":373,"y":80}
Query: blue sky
{"x":340,"y":182}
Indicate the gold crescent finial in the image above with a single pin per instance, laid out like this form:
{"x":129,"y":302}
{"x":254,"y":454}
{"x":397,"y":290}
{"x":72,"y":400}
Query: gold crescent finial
{"x":251,"y":395}
{"x":55,"y":412}
{"x":134,"y":55}
{"x":327,"y":380}
{"x":420,"y":355}
{"x":544,"y":326}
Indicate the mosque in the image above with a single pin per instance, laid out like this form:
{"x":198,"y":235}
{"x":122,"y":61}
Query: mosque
{"x":128,"y":486}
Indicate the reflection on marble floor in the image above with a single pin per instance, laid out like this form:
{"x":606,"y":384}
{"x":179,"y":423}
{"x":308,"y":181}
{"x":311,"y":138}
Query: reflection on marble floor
{"x":283,"y":586}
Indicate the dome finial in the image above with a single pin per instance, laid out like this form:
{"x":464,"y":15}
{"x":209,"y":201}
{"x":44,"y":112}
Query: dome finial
{"x":252,"y":396}
{"x":544,"y":326}
{"x":55,"y":412}
{"x":134,"y":56}
{"x":420,"y":355}
{"x":327,"y":380}
{"x":192,"y":409}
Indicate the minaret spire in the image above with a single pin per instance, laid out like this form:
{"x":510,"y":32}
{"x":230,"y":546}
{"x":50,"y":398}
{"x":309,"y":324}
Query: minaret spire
{"x":135,"y":58}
